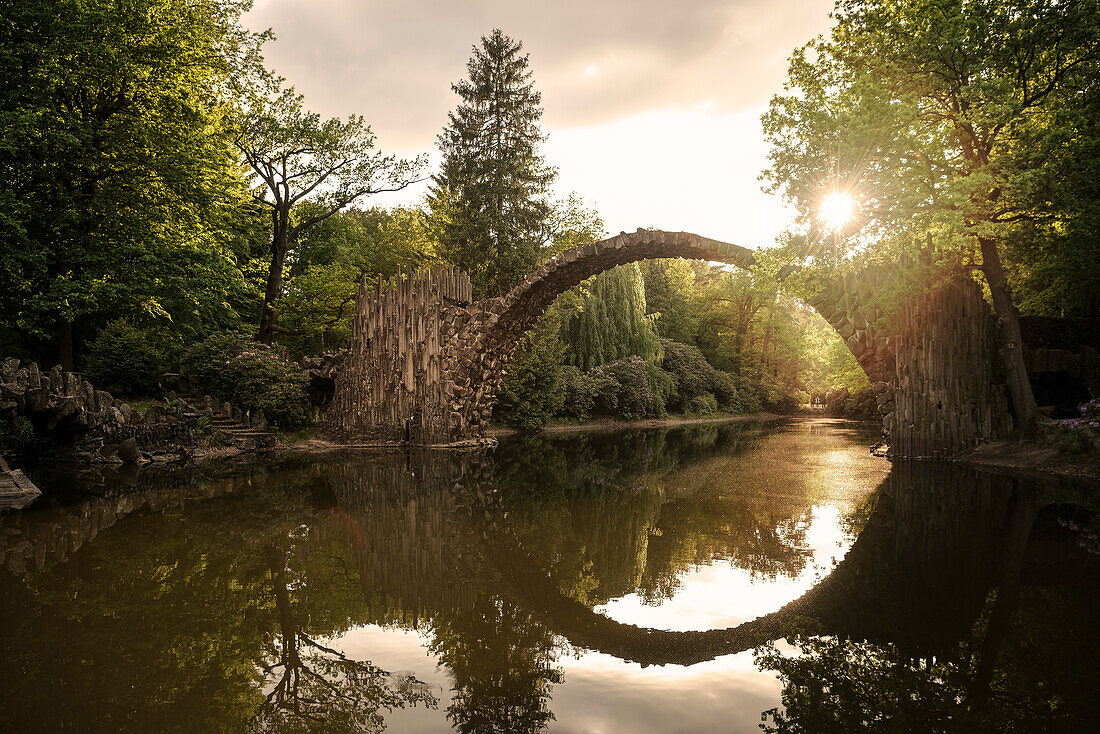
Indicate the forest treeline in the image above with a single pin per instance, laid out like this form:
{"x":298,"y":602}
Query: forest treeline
{"x":169,"y":201}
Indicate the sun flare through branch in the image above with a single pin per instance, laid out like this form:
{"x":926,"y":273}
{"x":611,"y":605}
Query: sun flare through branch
{"x":837,"y":210}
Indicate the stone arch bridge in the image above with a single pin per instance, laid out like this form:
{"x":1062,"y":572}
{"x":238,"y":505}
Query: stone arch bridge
{"x":426,"y":363}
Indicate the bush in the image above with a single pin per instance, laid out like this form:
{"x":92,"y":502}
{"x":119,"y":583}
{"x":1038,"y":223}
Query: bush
{"x":579,"y":391}
{"x":750,"y":394}
{"x":250,"y":375}
{"x":125,"y":358}
{"x":859,"y":402}
{"x":1079,"y":435}
{"x":205,"y":363}
{"x":693,"y":376}
{"x":530,"y":394}
{"x":704,"y":404}
{"x":632,"y":388}
{"x":779,"y":400}
{"x":17,"y":436}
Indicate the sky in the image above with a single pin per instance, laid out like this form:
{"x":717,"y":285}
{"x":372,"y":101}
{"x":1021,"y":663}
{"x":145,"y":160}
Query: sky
{"x":652,"y":107}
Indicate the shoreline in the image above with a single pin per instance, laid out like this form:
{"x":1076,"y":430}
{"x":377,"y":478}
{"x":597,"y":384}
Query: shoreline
{"x":1029,"y":459}
{"x":599,"y":425}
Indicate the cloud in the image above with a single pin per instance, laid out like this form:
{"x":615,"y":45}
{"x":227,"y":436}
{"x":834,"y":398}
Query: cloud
{"x":594,"y":62}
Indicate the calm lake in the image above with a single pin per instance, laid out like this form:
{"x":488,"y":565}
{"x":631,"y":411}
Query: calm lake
{"x":694,"y":579}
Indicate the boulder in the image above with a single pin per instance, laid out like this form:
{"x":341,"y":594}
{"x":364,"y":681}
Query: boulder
{"x":128,"y":451}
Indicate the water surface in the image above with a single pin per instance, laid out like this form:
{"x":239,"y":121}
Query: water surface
{"x":667,"y":580}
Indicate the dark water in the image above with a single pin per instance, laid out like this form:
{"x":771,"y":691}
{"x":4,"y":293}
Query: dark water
{"x":686,"y":580}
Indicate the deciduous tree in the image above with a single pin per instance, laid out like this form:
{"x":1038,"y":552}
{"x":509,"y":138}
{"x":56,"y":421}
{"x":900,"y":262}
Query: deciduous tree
{"x":949,"y":118}
{"x":118,"y":190}
{"x":294,"y":157}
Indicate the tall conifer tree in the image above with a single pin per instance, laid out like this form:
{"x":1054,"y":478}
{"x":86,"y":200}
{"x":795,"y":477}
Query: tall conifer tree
{"x":489,"y":200}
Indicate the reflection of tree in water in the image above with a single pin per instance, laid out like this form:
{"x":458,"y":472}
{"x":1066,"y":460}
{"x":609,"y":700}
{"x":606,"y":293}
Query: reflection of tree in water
{"x":168,"y":620}
{"x":501,"y":660}
{"x":612,"y":517}
{"x":973,"y":610}
{"x":414,"y":524}
{"x":315,"y":688}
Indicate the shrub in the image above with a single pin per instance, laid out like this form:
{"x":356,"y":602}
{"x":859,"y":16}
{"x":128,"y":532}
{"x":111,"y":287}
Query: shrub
{"x":126,"y":359}
{"x":632,"y":388}
{"x":205,"y":363}
{"x":779,"y":400}
{"x":750,"y":394}
{"x":579,"y":391}
{"x":688,"y":369}
{"x":724,"y":388}
{"x":17,"y":436}
{"x":861,"y":403}
{"x":704,"y":404}
{"x":530,"y":394}
{"x":251,"y":376}
{"x":692,"y":376}
{"x":1079,"y":435}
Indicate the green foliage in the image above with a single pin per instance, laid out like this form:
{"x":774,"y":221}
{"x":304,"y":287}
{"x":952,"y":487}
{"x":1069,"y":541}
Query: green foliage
{"x":373,"y":241}
{"x":17,"y":435}
{"x":579,"y":392}
{"x":632,"y":388}
{"x":125,"y":358}
{"x":296,"y":158}
{"x":488,"y":202}
{"x":251,"y":376}
{"x":322,"y":279}
{"x":607,"y":320}
{"x":693,"y":377}
{"x":317,"y":308}
{"x":530,"y":394}
{"x":105,"y":214}
{"x":671,"y":296}
{"x":701,"y":404}
{"x":1079,"y":435}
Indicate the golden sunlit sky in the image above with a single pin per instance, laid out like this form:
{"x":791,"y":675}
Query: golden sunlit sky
{"x":652,"y":107}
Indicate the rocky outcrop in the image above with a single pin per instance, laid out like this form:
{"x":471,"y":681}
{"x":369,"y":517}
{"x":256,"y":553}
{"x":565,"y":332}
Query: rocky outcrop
{"x":76,"y":422}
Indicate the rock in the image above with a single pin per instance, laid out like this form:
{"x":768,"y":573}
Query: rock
{"x":157,"y":413}
{"x":103,"y":401}
{"x":127,"y":412}
{"x":128,"y":451}
{"x":259,"y":423}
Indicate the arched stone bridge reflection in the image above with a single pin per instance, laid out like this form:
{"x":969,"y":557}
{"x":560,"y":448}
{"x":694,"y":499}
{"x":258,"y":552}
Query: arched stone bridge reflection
{"x":917,"y":575}
{"x":433,"y":536}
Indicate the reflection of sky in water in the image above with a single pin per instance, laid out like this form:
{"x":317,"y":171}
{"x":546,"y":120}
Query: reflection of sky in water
{"x":601,"y":693}
{"x":721,"y":595}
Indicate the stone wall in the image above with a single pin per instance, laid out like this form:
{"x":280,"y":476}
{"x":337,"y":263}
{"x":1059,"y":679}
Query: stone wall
{"x":393,"y":380}
{"x":77,"y":422}
{"x":947,"y":390}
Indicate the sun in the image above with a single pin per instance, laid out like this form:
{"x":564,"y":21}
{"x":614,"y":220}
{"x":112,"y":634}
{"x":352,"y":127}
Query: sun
{"x":837,"y":209}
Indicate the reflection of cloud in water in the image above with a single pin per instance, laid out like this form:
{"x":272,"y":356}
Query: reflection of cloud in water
{"x":600,"y":693}
{"x":719,"y":594}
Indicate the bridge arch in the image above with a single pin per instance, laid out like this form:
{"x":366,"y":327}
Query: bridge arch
{"x":425,"y":364}
{"x":518,"y":309}
{"x":496,"y":325}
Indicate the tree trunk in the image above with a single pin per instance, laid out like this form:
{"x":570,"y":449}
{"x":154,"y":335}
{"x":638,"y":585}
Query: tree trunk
{"x":1012,"y":347}
{"x":279,"y":244}
{"x":65,"y":342}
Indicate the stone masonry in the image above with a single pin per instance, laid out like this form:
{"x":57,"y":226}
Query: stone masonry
{"x":425,"y":364}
